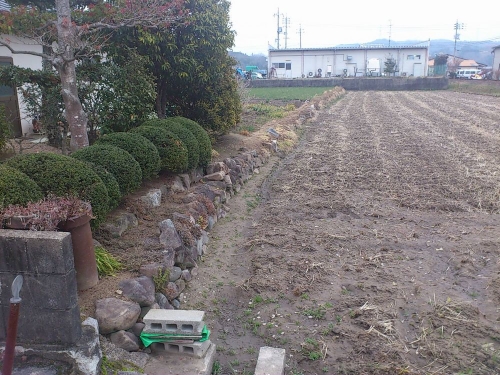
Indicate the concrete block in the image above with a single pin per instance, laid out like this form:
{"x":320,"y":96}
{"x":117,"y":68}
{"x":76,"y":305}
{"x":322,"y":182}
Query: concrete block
{"x":167,"y":364}
{"x":57,"y":292}
{"x":188,"y":322}
{"x":13,"y":253}
{"x":38,"y":326}
{"x":271,"y":361}
{"x":50,"y":253}
{"x":196,"y":349}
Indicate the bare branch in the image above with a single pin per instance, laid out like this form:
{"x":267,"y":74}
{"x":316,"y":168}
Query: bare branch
{"x":33,"y":53}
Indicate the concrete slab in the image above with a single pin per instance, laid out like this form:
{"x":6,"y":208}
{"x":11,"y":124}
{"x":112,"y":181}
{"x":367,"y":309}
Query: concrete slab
{"x":271,"y":361}
{"x":166,"y":363}
{"x":187,"y":322}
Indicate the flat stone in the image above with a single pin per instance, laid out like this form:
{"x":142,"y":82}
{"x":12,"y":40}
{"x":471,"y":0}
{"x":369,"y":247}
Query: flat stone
{"x":171,"y":291}
{"x":186,"y":180}
{"x":271,"y":361}
{"x":169,"y":237}
{"x":151,"y":269}
{"x":217,"y":176}
{"x":121,"y":223}
{"x":186,"y":275}
{"x":137,"y":329}
{"x":177,"y":185}
{"x":162,"y":301}
{"x":181,"y":285}
{"x":152,"y":198}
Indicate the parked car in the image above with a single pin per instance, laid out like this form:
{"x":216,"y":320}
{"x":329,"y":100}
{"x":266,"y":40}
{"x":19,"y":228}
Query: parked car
{"x":476,"y":76}
{"x":257,"y":75}
{"x":467,"y":74}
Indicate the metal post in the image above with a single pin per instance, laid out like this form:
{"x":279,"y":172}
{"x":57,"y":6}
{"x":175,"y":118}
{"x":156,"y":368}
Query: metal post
{"x":10,"y":344}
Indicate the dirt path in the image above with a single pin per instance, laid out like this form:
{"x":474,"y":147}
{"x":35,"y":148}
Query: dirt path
{"x":372,"y":249}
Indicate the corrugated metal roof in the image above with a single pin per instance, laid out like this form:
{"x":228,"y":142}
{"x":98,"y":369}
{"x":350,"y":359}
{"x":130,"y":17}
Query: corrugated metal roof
{"x":361,"y":46}
{"x":4,"y":5}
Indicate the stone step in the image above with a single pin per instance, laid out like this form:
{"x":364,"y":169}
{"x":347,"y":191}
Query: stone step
{"x":182,"y":322}
{"x":271,"y":361}
{"x":196,"y":349}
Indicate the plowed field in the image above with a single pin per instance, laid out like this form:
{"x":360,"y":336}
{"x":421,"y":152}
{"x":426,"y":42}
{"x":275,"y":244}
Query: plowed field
{"x":372,"y":249}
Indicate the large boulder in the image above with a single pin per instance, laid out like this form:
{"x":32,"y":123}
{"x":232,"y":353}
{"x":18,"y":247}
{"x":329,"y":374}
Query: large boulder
{"x":113,"y":314}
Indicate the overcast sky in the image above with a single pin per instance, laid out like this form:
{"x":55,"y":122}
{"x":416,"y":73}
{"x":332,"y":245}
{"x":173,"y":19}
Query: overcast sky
{"x":327,"y":23}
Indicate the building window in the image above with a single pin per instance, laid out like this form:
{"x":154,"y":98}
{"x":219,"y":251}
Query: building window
{"x":417,"y":57}
{"x":410,"y":57}
{"x":279,"y":65}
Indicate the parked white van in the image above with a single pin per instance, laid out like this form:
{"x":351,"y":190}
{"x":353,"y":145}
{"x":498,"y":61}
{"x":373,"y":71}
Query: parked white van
{"x":467,"y":74}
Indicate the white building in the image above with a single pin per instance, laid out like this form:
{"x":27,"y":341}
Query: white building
{"x":368,"y":60}
{"x":496,"y":62}
{"x":8,"y":96}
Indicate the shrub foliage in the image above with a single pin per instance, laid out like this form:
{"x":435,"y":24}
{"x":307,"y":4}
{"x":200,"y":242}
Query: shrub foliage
{"x":17,"y":188}
{"x":62,"y":175}
{"x":185,"y":136}
{"x":173,"y":152}
{"x":111,"y":184}
{"x":202,"y":137}
{"x":141,"y":148}
{"x":117,"y":161}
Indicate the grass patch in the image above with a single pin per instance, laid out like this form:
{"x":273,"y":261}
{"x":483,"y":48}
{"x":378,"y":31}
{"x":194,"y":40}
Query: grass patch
{"x":107,"y":264}
{"x":481,"y":87}
{"x":287,"y":93}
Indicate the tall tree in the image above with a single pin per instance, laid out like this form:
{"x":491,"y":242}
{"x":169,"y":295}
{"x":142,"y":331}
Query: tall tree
{"x":193,"y":70}
{"x":76,"y":30}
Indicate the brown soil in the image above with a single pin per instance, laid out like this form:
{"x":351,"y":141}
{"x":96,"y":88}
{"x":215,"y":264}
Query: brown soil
{"x":374,"y":246}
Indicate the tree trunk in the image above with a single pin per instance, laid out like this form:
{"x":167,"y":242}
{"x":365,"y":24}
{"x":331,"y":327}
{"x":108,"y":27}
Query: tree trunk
{"x":161,"y":99}
{"x":65,"y":64}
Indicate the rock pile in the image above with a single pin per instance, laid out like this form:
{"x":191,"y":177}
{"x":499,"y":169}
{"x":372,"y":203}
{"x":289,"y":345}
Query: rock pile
{"x":183,"y":237}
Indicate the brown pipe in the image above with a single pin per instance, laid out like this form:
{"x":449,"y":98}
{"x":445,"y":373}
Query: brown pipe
{"x":10,"y":344}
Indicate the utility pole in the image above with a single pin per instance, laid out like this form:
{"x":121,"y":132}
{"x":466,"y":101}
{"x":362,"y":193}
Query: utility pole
{"x":390,"y":32}
{"x":278,"y":30}
{"x":457,"y":26}
{"x":301,"y":30}
{"x":286,"y":20}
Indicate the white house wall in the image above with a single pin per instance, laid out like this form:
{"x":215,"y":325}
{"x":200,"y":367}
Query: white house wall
{"x":23,"y":61}
{"x":305,"y":63}
{"x":496,"y":61}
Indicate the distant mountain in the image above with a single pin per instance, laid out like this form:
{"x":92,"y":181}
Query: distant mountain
{"x":479,"y":51}
{"x":245,"y":60}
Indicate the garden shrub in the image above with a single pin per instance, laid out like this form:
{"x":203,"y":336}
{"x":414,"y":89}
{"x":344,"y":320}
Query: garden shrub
{"x":173,"y":153}
{"x":111,"y":184}
{"x":17,"y":188}
{"x":117,"y":161}
{"x":202,"y":137}
{"x":62,"y":175}
{"x":4,"y":128}
{"x":184,"y":134}
{"x":141,"y":148}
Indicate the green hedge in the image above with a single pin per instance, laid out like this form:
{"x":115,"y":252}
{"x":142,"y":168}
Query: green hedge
{"x":111,"y":184}
{"x":117,"y":161}
{"x":17,"y":188}
{"x":173,"y":153}
{"x":62,"y":175}
{"x":202,"y":137}
{"x":141,"y":148}
{"x":184,"y":134}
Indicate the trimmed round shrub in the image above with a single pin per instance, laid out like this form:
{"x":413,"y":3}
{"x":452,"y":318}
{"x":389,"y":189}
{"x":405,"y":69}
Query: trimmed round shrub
{"x":184,"y":134}
{"x":62,"y":175}
{"x":141,"y":148}
{"x":17,"y":188}
{"x":117,"y":161}
{"x":201,"y":136}
{"x":173,"y":153}
{"x":111,"y":184}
